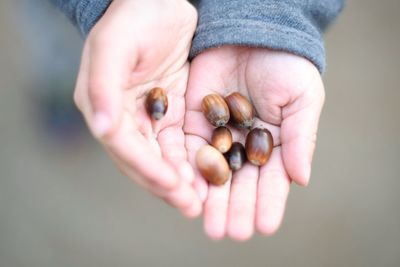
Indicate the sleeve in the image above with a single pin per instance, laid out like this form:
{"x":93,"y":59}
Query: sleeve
{"x":294,"y":26}
{"x":83,"y":13}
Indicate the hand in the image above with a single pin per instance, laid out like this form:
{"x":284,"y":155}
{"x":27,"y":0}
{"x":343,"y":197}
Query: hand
{"x":135,"y":46}
{"x":288,"y":94}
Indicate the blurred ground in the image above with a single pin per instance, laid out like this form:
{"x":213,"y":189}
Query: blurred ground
{"x":64,"y":204}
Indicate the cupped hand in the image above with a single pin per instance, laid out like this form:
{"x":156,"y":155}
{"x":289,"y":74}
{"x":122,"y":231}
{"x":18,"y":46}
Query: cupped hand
{"x":135,"y":46}
{"x":287,"y":93}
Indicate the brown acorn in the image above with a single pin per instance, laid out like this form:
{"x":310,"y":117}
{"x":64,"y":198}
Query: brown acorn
{"x":259,"y":144}
{"x":236,"y":156}
{"x":215,"y":110}
{"x":156,"y":103}
{"x":241,"y":110}
{"x":212,"y":165}
{"x":221,"y":139}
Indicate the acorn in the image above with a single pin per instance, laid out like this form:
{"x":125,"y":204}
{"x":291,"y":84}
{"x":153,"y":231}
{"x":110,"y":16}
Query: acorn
{"x":241,"y":110}
{"x":221,"y":139}
{"x":215,"y":110}
{"x":259,"y":144}
{"x":156,"y":103}
{"x":212,"y":165}
{"x":236,"y":156}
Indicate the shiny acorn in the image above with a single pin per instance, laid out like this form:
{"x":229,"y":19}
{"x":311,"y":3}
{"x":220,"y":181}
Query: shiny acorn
{"x":241,"y":110}
{"x":156,"y":103}
{"x":221,"y":139}
{"x":259,"y":144}
{"x":215,"y":110}
{"x":236,"y":156}
{"x":212,"y":165}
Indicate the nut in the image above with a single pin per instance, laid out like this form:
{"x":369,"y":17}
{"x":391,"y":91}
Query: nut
{"x":236,"y":156}
{"x":215,"y":110}
{"x":212,"y":165}
{"x":259,"y":144}
{"x":241,"y":110}
{"x":156,"y":103}
{"x":221,"y":139}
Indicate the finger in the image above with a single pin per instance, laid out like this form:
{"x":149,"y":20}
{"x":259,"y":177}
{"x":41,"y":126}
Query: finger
{"x":129,"y":172}
{"x":273,"y":190}
{"x":299,"y":134}
{"x":185,"y":199}
{"x":108,"y":75}
{"x":242,"y":203}
{"x":182,"y":197}
{"x":193,"y":144}
{"x":172,"y":143}
{"x":135,"y":151}
{"x":216,"y":210}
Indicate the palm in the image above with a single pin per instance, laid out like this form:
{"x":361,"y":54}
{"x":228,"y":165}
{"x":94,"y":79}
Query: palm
{"x":282,"y":88}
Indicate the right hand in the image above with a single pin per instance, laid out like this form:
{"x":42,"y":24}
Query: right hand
{"x":135,"y":46}
{"x":287,"y":93}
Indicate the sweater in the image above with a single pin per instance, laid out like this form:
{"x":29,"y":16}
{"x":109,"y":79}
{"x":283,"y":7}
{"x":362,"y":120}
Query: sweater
{"x":295,"y":26}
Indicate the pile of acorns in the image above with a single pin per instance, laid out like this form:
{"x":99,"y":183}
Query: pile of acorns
{"x":216,"y":161}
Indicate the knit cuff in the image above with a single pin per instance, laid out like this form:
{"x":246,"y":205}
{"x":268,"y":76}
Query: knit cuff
{"x":254,"y":23}
{"x":88,"y":12}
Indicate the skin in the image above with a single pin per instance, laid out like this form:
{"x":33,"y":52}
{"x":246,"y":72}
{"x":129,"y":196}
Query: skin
{"x":135,"y":46}
{"x":287,"y":93}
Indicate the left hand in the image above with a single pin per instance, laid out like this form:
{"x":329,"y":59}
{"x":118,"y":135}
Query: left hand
{"x":288,"y":94}
{"x":135,"y":46}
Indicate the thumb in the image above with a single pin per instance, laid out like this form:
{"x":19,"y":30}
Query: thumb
{"x":299,"y":133}
{"x":108,"y":72}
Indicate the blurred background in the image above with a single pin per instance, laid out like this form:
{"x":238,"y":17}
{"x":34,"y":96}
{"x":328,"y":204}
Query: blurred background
{"x":62,"y":202}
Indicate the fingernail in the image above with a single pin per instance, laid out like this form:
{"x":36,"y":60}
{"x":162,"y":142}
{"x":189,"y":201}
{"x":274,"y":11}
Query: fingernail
{"x":102,"y":124}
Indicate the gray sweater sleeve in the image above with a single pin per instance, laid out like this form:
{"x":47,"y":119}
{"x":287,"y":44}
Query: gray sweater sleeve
{"x":294,"y":26}
{"x":83,"y":13}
